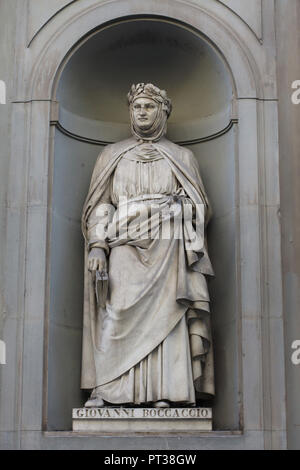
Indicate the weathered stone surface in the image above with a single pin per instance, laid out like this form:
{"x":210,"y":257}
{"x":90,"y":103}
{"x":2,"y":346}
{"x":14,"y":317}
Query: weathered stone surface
{"x":249,"y":11}
{"x":32,"y":75}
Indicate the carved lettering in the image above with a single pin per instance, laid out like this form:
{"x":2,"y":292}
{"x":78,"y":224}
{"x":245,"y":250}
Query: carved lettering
{"x":141,"y":413}
{"x":80,"y":413}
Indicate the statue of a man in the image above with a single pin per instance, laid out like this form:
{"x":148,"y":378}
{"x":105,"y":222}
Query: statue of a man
{"x":146,"y":332}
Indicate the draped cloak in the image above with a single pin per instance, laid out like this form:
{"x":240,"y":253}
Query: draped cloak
{"x":105,"y":358}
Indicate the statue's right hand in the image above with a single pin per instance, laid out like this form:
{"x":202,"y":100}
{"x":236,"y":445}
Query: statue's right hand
{"x":97,"y":261}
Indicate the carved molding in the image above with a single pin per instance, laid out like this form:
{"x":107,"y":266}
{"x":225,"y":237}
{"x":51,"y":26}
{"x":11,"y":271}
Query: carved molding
{"x":250,"y":12}
{"x":101,"y":142}
{"x":35,"y":33}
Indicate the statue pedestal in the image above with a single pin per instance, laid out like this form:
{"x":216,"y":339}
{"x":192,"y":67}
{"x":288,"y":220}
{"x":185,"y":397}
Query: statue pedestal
{"x":109,"y":419}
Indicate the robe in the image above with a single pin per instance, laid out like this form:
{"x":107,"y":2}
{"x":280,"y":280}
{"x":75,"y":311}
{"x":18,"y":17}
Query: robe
{"x":152,"y":338}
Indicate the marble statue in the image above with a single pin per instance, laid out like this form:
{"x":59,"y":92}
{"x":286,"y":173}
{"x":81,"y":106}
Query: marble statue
{"x":146,"y":329}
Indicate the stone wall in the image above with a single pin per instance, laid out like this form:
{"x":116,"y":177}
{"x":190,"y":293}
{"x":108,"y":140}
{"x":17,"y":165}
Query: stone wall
{"x":288,"y":69}
{"x":36,"y":41}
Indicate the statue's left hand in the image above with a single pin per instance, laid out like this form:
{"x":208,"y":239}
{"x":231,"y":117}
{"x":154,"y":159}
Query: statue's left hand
{"x":97,"y":261}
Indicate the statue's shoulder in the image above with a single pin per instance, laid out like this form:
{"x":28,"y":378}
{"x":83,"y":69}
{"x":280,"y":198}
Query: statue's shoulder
{"x":112,"y":150}
{"x":182,"y":153}
{"x":118,"y":147}
{"x":122,"y":144}
{"x":188,"y":157}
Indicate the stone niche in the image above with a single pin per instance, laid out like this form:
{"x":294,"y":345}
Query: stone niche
{"x":91,"y":93}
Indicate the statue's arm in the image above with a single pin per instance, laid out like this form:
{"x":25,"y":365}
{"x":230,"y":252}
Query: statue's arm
{"x":96,"y":234}
{"x":192,"y":162}
{"x":98,"y":221}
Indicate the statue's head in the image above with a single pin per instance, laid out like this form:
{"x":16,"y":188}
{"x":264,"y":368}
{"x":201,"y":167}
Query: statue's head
{"x":149,"y":110}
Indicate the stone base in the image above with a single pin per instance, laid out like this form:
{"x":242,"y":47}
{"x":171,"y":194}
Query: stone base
{"x":132,"y":420}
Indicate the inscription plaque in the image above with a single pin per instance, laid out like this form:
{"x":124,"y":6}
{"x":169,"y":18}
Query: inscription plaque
{"x":109,"y":419}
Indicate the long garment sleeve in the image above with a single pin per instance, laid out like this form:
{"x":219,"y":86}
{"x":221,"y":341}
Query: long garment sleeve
{"x":149,"y":345}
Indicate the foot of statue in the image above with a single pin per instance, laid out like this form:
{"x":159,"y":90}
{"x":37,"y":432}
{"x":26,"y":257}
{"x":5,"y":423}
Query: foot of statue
{"x":161,"y":404}
{"x":95,"y":402}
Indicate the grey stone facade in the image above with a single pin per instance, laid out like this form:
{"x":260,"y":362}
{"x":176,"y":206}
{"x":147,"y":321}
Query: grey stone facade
{"x":240,"y":61}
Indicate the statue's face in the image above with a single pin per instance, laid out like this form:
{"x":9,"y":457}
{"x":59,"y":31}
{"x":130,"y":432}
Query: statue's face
{"x":144,"y":112}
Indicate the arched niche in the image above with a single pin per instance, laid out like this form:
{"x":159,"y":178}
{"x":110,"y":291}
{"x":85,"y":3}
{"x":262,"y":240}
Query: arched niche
{"x":93,"y":85}
{"x":91,"y":93}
